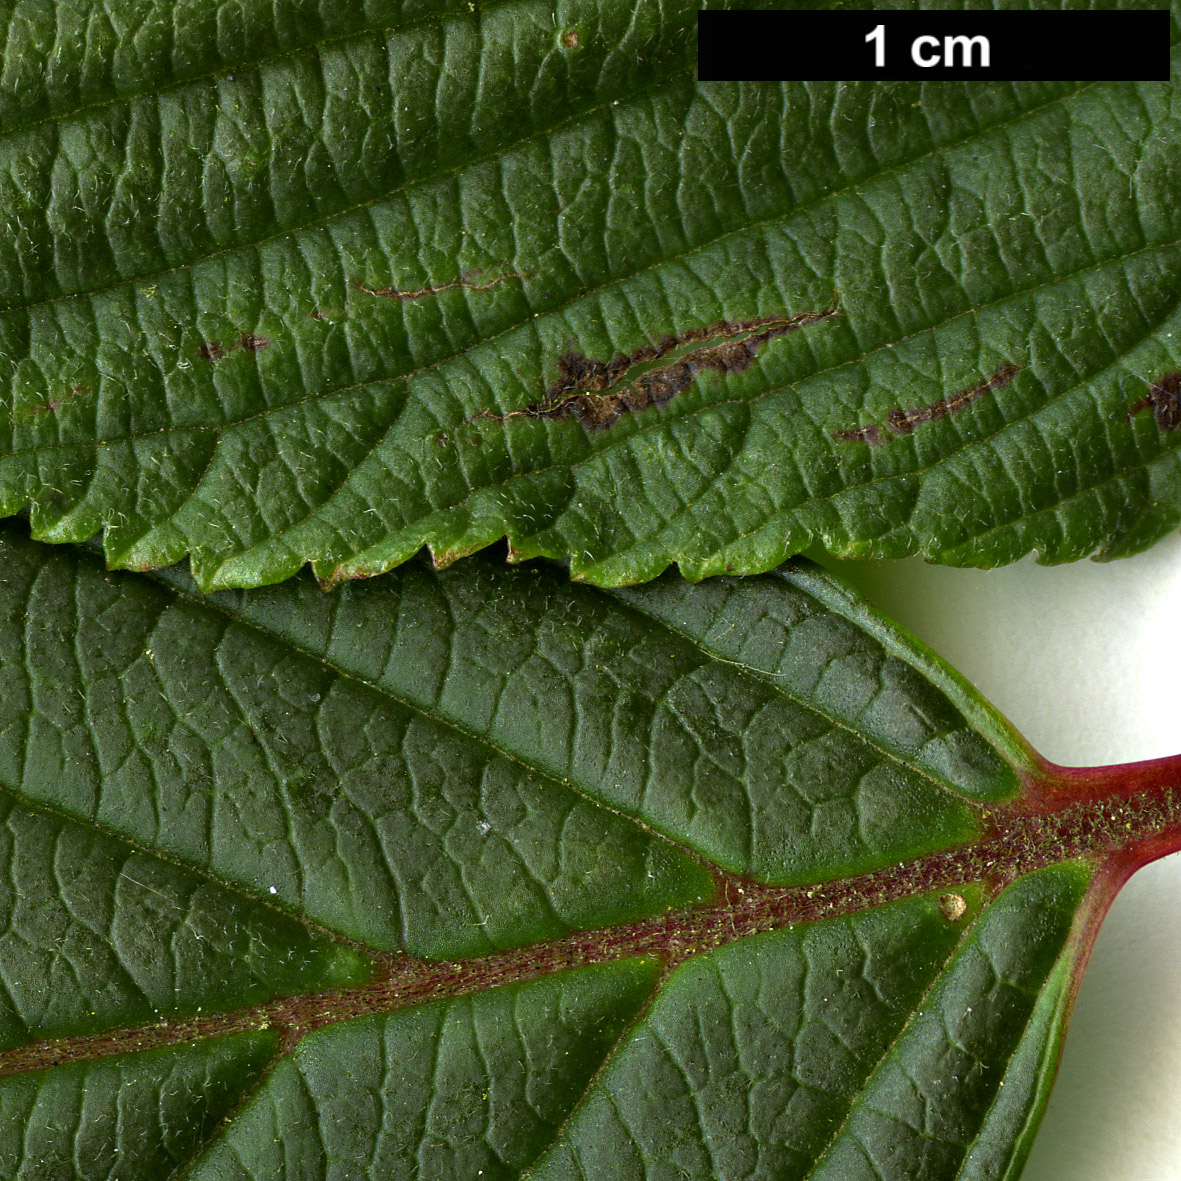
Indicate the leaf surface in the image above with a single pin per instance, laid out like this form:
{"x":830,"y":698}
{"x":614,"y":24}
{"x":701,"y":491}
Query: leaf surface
{"x":308,"y":286}
{"x":479,"y":872}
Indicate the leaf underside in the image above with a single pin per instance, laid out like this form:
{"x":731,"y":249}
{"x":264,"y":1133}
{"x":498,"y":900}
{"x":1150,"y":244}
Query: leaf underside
{"x":475,"y":872}
{"x":479,"y":873}
{"x":295,"y":284}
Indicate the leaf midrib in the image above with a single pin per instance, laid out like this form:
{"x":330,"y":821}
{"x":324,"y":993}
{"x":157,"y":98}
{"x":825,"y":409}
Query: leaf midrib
{"x":1096,"y":829}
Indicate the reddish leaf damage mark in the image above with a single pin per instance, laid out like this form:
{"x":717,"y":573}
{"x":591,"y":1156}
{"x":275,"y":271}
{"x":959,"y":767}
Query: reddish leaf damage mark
{"x":900,"y":421}
{"x":1164,"y":396}
{"x":1119,"y":818}
{"x":584,"y":388}
{"x":56,"y":403}
{"x":214,"y":350}
{"x":465,"y":282}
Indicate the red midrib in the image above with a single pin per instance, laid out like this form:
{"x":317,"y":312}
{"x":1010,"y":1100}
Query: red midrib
{"x":1124,"y":815}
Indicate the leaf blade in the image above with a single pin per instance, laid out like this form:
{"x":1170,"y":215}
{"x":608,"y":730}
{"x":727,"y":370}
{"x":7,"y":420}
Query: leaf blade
{"x":332,"y":395}
{"x":451,"y":1045}
{"x":1035,"y":865}
{"x":144,"y":1114}
{"x":100,"y":935}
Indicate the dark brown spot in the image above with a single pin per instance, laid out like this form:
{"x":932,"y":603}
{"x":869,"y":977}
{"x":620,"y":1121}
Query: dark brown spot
{"x":1164,"y":396}
{"x":902,"y":421}
{"x":211,"y":350}
{"x":251,"y":342}
{"x":585,"y":387}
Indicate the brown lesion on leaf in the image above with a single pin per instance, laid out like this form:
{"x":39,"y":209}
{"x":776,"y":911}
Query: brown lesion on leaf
{"x":214,"y":350}
{"x":902,"y":421}
{"x":49,"y":405}
{"x":75,"y":391}
{"x":465,"y":282}
{"x":1164,"y":396}
{"x":599,"y":393}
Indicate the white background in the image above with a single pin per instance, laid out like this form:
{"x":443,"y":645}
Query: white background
{"x":1085,"y":660}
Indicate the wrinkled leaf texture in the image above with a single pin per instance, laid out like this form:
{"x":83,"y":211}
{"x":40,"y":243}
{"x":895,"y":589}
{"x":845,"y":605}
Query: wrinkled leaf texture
{"x":280,"y":283}
{"x":481,"y":873}
{"x":475,"y":873}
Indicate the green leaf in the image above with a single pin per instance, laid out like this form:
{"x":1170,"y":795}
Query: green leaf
{"x":141,"y":1116}
{"x":325,"y":284}
{"x":482,"y":873}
